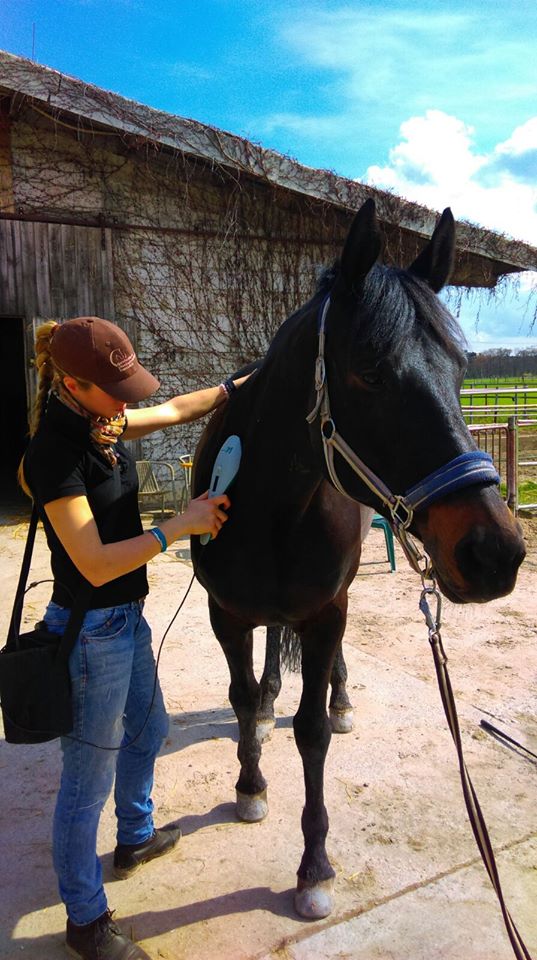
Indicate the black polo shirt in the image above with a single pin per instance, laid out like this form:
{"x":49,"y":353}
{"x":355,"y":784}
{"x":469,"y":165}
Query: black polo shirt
{"x":61,"y":461}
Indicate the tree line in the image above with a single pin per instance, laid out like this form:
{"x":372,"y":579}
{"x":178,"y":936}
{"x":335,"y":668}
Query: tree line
{"x":502,"y":362}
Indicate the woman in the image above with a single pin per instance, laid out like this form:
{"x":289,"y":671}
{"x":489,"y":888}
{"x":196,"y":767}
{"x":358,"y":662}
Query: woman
{"x":84,"y":483}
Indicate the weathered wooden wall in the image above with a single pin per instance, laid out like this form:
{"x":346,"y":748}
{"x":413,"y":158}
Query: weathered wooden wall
{"x":55,"y":270}
{"x":199,"y":266}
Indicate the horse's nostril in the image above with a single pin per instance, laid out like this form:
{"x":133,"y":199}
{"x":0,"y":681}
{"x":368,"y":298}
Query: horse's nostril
{"x":518,"y":554}
{"x":489,"y":555}
{"x":487,"y":552}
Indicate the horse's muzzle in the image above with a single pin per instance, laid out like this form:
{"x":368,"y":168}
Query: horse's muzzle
{"x":489,"y":563}
{"x":476,"y":546}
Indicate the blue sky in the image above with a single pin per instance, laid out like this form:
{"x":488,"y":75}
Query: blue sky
{"x":434,"y":100}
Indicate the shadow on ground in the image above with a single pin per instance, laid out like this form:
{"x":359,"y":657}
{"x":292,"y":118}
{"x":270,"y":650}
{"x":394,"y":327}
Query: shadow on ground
{"x":187,"y":729}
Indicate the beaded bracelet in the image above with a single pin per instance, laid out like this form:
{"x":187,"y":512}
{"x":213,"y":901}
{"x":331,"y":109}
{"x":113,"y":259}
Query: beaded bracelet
{"x":158,"y":534}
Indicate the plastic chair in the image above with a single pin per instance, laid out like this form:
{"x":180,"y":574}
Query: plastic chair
{"x":383,"y":524}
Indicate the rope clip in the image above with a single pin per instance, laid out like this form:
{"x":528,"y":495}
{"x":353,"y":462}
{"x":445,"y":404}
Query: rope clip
{"x":433,"y":622}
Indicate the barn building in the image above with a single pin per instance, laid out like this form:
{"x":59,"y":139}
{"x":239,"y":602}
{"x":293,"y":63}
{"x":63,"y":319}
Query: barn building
{"x":197,"y":242}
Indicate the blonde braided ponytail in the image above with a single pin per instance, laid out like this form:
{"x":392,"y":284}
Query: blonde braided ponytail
{"x":46,"y":373}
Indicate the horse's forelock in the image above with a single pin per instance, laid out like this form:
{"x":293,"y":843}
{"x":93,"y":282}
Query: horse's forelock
{"x":431,"y":313}
{"x":393,"y":304}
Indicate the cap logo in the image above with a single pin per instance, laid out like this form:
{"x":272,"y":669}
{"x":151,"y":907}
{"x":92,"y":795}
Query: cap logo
{"x":122,"y":360}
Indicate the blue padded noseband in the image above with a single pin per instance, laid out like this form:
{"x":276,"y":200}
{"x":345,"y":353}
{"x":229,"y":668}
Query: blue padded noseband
{"x":463,"y":471}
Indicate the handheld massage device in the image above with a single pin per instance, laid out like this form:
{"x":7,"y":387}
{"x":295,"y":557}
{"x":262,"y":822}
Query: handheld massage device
{"x":225,"y":469}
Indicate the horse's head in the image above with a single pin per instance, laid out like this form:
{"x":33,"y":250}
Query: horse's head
{"x":394,"y":368}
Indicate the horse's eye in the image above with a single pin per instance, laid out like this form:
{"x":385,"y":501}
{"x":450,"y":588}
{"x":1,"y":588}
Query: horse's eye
{"x":369,"y":378}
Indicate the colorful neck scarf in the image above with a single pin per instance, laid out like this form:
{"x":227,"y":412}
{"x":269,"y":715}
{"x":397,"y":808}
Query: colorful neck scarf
{"x":104,"y":432}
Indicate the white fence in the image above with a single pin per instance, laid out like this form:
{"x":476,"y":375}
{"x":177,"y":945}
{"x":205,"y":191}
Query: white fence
{"x":501,"y":441}
{"x":498,"y":418}
{"x":496,"y":404}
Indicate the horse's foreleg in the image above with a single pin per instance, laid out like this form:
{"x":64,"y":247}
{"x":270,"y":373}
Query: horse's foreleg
{"x":270,"y":684}
{"x":313,"y":898}
{"x":341,"y":713}
{"x":236,"y":641}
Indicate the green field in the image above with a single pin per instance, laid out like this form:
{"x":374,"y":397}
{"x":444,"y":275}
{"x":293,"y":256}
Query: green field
{"x":501,"y":407}
{"x":513,"y":403}
{"x":500,"y":382}
{"x":497,"y":383}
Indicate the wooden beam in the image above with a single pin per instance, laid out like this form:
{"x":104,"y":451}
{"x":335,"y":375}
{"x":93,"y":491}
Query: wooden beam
{"x":7,"y":202}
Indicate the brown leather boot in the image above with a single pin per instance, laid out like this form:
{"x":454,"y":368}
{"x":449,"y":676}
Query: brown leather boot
{"x":101,"y":940}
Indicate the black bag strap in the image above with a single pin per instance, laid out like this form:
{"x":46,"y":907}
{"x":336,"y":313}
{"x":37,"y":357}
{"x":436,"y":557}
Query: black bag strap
{"x":78,"y":610}
{"x":15,"y":622}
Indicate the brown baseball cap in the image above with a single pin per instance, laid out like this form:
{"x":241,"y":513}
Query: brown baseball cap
{"x":100,"y":352}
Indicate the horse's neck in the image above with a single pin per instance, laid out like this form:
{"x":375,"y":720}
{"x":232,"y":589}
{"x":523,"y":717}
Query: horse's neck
{"x":282,"y":399}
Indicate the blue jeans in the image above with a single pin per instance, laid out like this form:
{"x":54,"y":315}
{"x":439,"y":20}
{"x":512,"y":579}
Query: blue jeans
{"x":112,"y":673}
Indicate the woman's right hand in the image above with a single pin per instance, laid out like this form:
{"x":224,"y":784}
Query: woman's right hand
{"x":204,"y":515}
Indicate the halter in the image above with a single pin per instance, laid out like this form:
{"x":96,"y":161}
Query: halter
{"x":463,"y":471}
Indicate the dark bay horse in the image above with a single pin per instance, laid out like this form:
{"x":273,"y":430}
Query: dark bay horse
{"x":394,"y":366}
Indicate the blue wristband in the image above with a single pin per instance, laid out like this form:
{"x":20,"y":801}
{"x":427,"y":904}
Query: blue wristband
{"x":158,"y":534}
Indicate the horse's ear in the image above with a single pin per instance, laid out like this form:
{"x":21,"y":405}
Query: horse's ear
{"x":361,"y":250}
{"x":435,"y":262}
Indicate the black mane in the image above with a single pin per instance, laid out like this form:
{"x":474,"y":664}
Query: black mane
{"x":394,"y":304}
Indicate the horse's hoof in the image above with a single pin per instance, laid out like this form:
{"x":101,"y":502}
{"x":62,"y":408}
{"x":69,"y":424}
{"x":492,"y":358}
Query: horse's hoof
{"x":313,"y":902}
{"x":252,"y":807}
{"x":341,"y":721}
{"x":263,"y":730}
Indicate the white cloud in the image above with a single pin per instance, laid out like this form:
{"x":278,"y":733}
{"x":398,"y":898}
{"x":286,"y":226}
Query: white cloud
{"x":374,"y":50}
{"x":369,"y":66}
{"x":419,"y":53}
{"x":302,"y":125}
{"x":436,"y":164}
{"x":488,"y":324}
{"x":436,"y":150}
{"x":524,"y":138}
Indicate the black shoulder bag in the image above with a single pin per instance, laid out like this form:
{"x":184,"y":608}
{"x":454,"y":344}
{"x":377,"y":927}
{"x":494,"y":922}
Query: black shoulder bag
{"x":35,"y":685}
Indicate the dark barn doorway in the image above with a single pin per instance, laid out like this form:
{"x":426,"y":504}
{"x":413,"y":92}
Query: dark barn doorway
{"x":13,"y":411}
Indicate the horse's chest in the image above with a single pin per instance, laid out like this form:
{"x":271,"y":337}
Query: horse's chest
{"x":288,"y":584}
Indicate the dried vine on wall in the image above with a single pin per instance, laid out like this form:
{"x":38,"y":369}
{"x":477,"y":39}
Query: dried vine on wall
{"x":210,"y":253}
{"x":207,"y":263}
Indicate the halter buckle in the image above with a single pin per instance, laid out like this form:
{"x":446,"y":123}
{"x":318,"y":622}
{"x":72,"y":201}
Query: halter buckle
{"x":401,"y":513}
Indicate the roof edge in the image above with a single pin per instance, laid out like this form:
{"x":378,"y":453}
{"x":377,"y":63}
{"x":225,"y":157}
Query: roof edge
{"x":60,"y":93}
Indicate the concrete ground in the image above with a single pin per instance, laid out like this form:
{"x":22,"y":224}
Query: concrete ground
{"x":410,"y":884}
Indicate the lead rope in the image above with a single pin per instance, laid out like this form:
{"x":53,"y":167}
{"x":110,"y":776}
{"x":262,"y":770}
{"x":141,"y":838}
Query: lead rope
{"x":401,"y":514}
{"x":475,"y":814}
